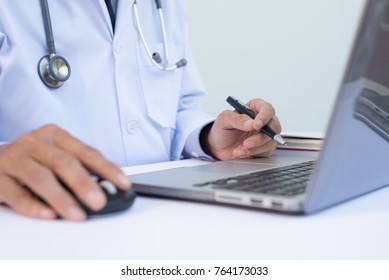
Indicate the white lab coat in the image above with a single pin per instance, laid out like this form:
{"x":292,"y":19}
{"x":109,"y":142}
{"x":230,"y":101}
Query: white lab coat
{"x":115,"y":100}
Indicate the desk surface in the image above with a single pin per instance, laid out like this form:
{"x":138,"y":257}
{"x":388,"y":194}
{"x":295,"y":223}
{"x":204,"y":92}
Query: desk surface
{"x":170,"y":229}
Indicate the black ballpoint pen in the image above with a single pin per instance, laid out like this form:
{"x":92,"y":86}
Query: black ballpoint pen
{"x":243,"y":109}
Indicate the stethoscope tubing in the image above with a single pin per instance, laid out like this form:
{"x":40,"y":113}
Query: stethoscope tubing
{"x":160,"y":65}
{"x":48,"y":27}
{"x":163,"y":29}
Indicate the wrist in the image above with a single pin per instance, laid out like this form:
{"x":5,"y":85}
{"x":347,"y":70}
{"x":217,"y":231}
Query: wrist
{"x":204,"y":140}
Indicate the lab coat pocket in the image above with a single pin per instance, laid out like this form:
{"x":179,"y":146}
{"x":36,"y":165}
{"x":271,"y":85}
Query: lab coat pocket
{"x":161,"y":89}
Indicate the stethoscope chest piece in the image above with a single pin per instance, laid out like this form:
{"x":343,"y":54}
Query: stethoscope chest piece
{"x":53,"y":70}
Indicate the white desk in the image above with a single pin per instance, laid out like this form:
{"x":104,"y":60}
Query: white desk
{"x":169,"y":229}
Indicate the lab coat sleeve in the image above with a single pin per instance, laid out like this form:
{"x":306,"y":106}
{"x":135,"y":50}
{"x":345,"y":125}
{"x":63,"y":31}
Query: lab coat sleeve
{"x":190,"y":116}
{"x":193,"y":148}
{"x":2,"y":39}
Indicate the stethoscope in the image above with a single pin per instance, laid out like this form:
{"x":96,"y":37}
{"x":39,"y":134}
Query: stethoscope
{"x":155,"y":57}
{"x":54,"y":69}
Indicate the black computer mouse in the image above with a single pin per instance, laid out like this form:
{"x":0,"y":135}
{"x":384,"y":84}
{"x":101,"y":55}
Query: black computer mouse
{"x":117,"y":200}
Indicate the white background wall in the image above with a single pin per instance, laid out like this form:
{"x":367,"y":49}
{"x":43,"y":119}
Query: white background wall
{"x":290,"y":52}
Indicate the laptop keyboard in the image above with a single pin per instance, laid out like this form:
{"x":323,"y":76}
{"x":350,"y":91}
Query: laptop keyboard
{"x":285,"y":181}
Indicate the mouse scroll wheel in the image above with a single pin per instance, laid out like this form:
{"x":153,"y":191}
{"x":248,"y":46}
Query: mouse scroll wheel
{"x":109,"y":187}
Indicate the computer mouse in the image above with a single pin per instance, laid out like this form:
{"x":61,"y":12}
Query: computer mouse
{"x":117,"y":200}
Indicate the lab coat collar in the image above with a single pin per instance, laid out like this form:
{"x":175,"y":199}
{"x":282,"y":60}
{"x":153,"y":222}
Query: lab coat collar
{"x":106,"y":16}
{"x":123,"y":16}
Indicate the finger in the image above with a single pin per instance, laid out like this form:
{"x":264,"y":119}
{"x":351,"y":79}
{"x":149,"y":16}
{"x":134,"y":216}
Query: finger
{"x":258,"y":145}
{"x":89,"y":157}
{"x":275,"y":124}
{"x":264,"y":112}
{"x":92,"y":159}
{"x":265,"y":150}
{"x":256,"y":140}
{"x":21,"y":200}
{"x":234,"y":120}
{"x":259,"y":139}
{"x":41,"y":181}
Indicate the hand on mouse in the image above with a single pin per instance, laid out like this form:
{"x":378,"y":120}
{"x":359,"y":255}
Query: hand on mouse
{"x":31,"y":166}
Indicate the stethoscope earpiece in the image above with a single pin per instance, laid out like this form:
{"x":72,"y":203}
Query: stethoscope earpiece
{"x":181,"y":63}
{"x":157,"y":57}
{"x":54,"y":70}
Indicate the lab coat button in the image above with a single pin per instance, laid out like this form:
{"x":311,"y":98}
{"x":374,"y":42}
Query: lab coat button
{"x":117,"y":48}
{"x":132,"y":127}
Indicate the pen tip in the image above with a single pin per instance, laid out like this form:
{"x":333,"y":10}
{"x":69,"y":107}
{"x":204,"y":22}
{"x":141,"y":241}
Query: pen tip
{"x":279,"y":140}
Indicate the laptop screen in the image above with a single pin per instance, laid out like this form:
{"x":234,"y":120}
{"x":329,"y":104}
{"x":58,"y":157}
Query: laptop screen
{"x":356,"y":150}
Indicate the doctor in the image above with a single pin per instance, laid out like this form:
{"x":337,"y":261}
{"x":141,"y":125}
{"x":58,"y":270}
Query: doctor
{"x":111,"y":106}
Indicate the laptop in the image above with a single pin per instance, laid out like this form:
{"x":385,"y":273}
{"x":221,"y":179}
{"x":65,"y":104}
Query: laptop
{"x":353,"y":160}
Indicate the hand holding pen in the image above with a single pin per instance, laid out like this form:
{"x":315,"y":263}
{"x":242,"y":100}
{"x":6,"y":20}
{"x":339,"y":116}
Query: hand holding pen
{"x":233,"y":136}
{"x":243,"y":109}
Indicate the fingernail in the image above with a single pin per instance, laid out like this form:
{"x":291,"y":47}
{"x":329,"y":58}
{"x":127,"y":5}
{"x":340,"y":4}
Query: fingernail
{"x":96,"y":198}
{"x":123,"y":180}
{"x":248,"y":123}
{"x":259,"y":123}
{"x":45,"y":213}
{"x":250,"y":145}
{"x":76,"y":213}
{"x":238,"y":152}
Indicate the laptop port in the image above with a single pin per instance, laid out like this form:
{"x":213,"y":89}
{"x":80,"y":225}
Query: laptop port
{"x":226,"y":197}
{"x":276,"y":204}
{"x":256,"y":201}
